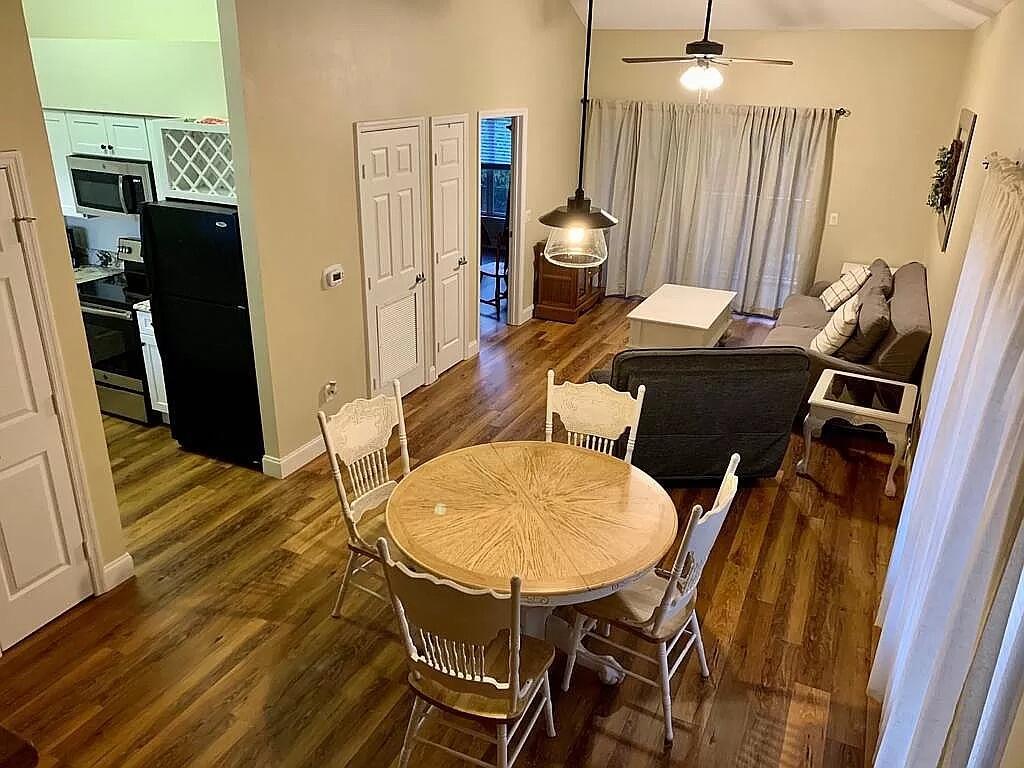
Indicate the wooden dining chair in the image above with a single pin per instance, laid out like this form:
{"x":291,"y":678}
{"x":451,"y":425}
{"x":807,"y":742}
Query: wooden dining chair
{"x":661,"y":608}
{"x":357,"y":436}
{"x":468,"y":658}
{"x":594,"y":415}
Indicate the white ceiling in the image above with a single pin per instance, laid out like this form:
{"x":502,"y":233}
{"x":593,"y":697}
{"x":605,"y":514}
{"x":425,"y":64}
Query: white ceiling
{"x":791,"y":14}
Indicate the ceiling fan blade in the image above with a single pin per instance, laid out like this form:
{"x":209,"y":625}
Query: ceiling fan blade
{"x":741,"y":60}
{"x":657,"y":59}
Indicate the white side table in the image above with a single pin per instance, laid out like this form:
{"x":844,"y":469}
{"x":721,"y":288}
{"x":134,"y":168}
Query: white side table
{"x":860,"y":400}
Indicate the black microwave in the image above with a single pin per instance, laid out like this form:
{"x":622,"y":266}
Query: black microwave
{"x":107,"y":186}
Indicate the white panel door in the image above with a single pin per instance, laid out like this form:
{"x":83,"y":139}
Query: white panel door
{"x":60,"y":148}
{"x":43,"y":570}
{"x":449,"y":220}
{"x":127,"y":137}
{"x":88,"y":133}
{"x":391,"y":211}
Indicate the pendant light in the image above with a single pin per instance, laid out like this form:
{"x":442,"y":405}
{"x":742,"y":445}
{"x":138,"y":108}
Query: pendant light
{"x":577,"y":229}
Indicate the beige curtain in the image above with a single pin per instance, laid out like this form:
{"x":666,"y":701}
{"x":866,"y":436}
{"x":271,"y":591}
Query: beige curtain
{"x":729,"y":197}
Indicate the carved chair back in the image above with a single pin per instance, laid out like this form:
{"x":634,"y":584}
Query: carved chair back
{"x":466,"y":640}
{"x":594,"y":415}
{"x":357,"y":437}
{"x":698,"y":539}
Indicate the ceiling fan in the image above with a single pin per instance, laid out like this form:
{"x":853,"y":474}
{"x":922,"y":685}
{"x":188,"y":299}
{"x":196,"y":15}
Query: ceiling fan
{"x":704,"y":52}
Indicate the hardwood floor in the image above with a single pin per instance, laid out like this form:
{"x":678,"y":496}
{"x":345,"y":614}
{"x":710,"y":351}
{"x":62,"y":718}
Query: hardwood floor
{"x":221,"y":651}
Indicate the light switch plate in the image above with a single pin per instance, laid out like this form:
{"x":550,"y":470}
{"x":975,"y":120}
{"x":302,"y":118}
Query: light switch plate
{"x":333,"y":275}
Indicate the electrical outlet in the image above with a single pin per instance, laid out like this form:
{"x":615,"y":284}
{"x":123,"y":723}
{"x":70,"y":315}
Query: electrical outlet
{"x":333,"y":275}
{"x":833,"y":219}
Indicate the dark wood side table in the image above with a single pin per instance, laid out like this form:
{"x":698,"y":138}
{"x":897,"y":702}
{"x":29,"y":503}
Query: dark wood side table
{"x":564,"y":294}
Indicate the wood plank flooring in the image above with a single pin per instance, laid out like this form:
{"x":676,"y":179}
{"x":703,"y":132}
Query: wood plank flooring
{"x":221,"y":651}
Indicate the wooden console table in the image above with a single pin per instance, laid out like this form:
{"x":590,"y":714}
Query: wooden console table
{"x":564,"y":294}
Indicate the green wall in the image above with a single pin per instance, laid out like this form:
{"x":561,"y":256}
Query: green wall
{"x":145,"y":57}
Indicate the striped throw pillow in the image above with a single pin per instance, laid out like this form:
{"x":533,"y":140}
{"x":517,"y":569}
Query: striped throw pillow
{"x":845,"y":287}
{"x":840,"y":328}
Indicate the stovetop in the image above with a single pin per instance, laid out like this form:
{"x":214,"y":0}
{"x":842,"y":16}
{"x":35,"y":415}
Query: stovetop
{"x":115,"y":291}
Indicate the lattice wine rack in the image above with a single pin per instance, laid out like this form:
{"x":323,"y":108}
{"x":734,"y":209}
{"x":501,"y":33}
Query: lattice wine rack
{"x":193,"y":161}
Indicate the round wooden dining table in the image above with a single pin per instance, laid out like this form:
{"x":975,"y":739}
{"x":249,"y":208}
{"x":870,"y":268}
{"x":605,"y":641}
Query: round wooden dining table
{"x":573,"y":524}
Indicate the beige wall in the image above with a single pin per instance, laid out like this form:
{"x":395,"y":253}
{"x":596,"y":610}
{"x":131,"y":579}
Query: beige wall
{"x":901,"y":87}
{"x":306,"y":76}
{"x":992,"y":88}
{"x":21,"y":128}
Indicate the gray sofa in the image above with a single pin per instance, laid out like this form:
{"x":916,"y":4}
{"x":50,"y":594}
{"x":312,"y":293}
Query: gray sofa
{"x":901,"y":351}
{"x":703,"y":404}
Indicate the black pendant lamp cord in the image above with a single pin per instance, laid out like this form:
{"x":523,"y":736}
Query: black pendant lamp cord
{"x":707,"y":21}
{"x":586,"y":97}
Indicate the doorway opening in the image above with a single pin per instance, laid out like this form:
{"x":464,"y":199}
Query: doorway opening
{"x":500,"y":141}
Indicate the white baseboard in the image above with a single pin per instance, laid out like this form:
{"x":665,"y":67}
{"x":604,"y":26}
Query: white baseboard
{"x":280,"y":468}
{"x":473,"y":349}
{"x":117,"y":571}
{"x":525,"y":314}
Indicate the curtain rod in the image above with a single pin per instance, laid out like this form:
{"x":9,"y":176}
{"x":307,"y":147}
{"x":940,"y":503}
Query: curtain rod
{"x":843,"y":112}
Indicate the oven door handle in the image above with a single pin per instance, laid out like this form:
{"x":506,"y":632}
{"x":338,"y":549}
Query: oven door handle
{"x":125,"y":314}
{"x":120,"y":192}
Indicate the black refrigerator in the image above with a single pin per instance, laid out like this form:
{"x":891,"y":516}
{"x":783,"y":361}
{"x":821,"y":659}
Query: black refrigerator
{"x":193,"y":253}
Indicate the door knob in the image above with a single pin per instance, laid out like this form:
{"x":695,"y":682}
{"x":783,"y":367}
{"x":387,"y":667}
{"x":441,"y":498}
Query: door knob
{"x":463,"y":261}
{"x":420,"y":278}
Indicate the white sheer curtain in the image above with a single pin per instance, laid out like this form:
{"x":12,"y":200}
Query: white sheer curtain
{"x":729,"y":197}
{"x":950,"y":663}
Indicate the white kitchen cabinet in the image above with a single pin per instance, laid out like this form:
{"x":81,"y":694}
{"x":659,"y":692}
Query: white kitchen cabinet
{"x":88,"y":133}
{"x":151,"y":358}
{"x":60,"y":147}
{"x":121,"y":136}
{"x":127,"y":137}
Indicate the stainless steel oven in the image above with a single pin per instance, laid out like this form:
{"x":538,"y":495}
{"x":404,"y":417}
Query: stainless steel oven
{"x":117,"y":365}
{"x":106,"y":186}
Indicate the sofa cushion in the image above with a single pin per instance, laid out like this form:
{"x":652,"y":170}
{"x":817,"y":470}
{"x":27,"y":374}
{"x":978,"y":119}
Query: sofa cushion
{"x":840,"y":328}
{"x":790,"y":336}
{"x":872,"y":324}
{"x":881,"y":276}
{"x":905,"y":345}
{"x":804,"y":312}
{"x":846,"y":286}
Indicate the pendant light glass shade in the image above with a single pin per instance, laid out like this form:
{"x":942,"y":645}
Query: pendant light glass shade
{"x":576,"y":247}
{"x":577,"y":236}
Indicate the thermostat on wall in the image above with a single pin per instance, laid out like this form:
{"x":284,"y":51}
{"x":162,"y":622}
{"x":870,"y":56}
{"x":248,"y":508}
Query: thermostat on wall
{"x":333,"y":275}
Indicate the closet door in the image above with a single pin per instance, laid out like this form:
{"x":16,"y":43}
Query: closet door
{"x":449,"y":228}
{"x":391,"y":214}
{"x":43,"y":569}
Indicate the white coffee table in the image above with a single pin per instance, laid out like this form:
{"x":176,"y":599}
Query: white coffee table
{"x":680,"y":316}
{"x":860,"y":400}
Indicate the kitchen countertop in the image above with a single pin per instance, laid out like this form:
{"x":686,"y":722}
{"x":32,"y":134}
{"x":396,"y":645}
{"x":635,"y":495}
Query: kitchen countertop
{"x":94,"y":272}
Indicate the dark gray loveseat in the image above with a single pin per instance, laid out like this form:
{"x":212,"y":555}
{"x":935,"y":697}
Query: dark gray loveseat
{"x":702,"y":405}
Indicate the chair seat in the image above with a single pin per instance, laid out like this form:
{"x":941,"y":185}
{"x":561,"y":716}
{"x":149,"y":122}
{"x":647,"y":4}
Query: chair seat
{"x":373,"y":526}
{"x":632,"y":609}
{"x":535,"y":657}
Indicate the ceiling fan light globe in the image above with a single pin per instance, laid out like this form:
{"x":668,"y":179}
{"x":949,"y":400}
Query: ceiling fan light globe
{"x":701,"y":77}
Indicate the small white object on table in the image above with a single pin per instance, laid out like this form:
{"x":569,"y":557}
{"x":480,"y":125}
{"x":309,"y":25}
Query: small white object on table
{"x":677,"y":316}
{"x":860,"y":400}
